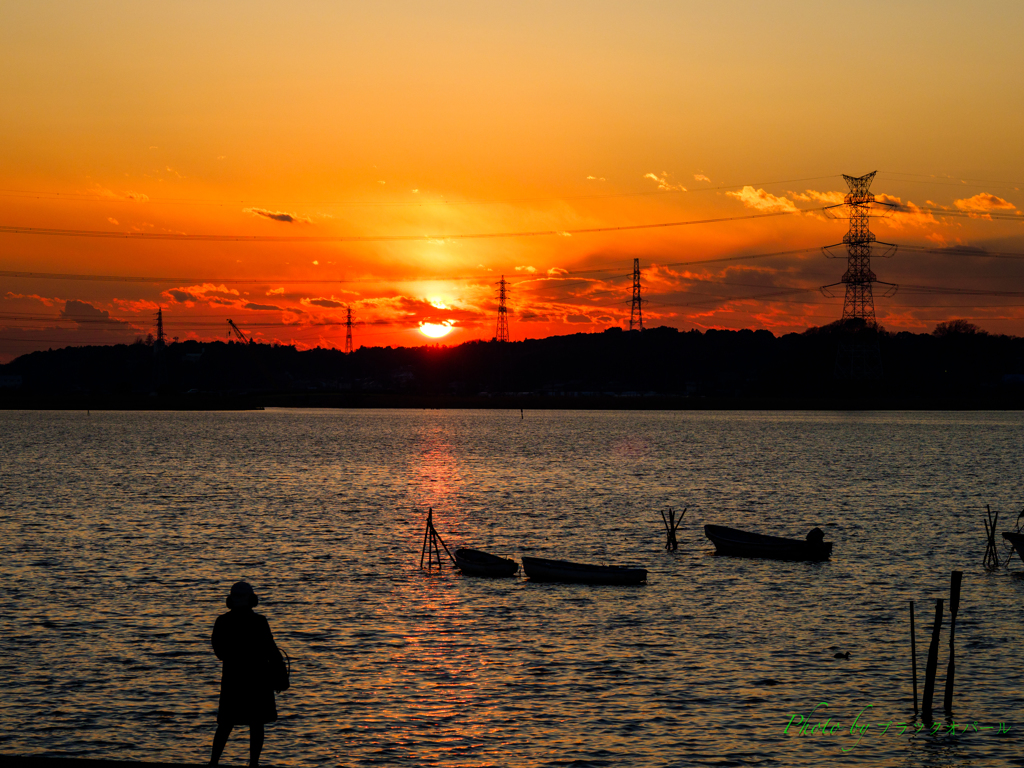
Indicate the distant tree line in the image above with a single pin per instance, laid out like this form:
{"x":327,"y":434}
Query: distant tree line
{"x":957,"y":360}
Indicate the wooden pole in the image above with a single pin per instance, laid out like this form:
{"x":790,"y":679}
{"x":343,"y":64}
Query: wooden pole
{"x":913,"y":653}
{"x":932,"y":666}
{"x":954,"y":606}
{"x":430,"y":549}
{"x":991,"y":560}
{"x":426,"y":533}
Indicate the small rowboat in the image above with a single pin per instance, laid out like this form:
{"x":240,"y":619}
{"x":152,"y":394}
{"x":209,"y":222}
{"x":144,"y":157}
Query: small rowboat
{"x":1017,"y":539}
{"x":542,"y":569}
{"x":732,"y":541}
{"x":473,"y":562}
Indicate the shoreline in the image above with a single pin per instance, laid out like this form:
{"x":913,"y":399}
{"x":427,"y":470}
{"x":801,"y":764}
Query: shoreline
{"x":355,"y":401}
{"x":40,"y":761}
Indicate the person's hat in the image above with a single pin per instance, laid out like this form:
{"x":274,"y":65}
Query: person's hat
{"x":242,"y":596}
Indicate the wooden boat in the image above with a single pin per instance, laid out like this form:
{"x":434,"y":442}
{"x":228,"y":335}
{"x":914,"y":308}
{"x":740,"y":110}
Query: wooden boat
{"x":473,"y":562}
{"x":1017,"y":539}
{"x":542,"y":569}
{"x":732,"y":541}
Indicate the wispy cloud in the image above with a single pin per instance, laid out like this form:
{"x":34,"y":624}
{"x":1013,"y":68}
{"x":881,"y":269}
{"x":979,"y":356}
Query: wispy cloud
{"x":701,"y":177}
{"x":289,"y":218}
{"x":266,"y":307}
{"x":596,"y":178}
{"x":325,"y":303}
{"x":813,"y":196}
{"x":761,"y":200}
{"x":529,"y":270}
{"x":663,"y":182}
{"x":137,"y":197}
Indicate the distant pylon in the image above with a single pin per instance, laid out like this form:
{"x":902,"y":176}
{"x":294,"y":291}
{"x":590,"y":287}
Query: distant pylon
{"x":158,"y":352}
{"x":160,"y":326}
{"x":636,"y":314}
{"x":348,"y":331}
{"x":859,"y":357}
{"x":501,"y":334}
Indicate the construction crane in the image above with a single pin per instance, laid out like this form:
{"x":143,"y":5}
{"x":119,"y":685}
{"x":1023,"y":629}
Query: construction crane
{"x":241,"y":336}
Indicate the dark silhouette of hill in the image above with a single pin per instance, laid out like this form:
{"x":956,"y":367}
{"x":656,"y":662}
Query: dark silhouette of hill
{"x":957,"y":366}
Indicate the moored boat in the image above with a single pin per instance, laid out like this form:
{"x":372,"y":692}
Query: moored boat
{"x":737,"y":543}
{"x":543,"y":569}
{"x":1017,"y":539}
{"x":473,"y":562}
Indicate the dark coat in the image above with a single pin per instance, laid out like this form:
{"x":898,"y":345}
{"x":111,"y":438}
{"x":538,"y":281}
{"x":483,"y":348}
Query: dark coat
{"x":242,"y":640}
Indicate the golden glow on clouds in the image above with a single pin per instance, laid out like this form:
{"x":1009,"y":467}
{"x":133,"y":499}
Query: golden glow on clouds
{"x":455,"y":118}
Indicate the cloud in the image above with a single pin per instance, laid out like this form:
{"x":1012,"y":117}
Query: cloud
{"x":557,"y":272}
{"x":663,"y":182}
{"x":984,"y":202}
{"x":810,"y":195}
{"x":112,"y":220}
{"x":215,"y":294}
{"x":530,"y":270}
{"x":275,"y":291}
{"x":701,"y":177}
{"x":45,"y":300}
{"x":906,"y":213}
{"x":596,"y":178}
{"x":577,"y":319}
{"x":325,"y":303}
{"x":182,"y":297}
{"x":289,"y":218}
{"x":138,"y":197}
{"x":266,"y":307}
{"x":760,"y":200}
{"x":84,"y":313}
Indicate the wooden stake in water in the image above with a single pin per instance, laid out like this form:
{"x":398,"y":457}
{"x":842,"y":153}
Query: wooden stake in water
{"x":932,"y":666}
{"x":991,"y":561}
{"x":430,"y":539}
{"x":954,"y":606}
{"x":913,"y":653}
{"x":671,"y":524}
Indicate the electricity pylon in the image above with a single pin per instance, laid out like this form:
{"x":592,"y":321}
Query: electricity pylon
{"x":159,"y":327}
{"x":859,"y":357}
{"x":348,"y":331}
{"x":158,"y":349}
{"x":636,"y":314}
{"x":501,"y":334}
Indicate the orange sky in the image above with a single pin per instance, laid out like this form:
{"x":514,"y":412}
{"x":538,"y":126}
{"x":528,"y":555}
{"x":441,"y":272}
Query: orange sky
{"x":385,"y":120}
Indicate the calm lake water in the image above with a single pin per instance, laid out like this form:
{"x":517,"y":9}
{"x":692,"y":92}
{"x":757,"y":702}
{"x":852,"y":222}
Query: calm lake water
{"x":121,"y":533}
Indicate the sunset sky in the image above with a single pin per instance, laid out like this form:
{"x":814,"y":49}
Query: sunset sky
{"x":373,"y":138}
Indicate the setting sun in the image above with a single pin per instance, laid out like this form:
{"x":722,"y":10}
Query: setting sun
{"x":435,"y":330}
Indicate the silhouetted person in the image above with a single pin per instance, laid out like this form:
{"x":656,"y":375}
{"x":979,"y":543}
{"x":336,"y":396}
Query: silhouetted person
{"x":242,"y":640}
{"x":816,"y":536}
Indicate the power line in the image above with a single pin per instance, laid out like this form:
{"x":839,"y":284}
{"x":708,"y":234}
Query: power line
{"x":100,"y":198}
{"x":109,"y":234}
{"x":953,"y":181}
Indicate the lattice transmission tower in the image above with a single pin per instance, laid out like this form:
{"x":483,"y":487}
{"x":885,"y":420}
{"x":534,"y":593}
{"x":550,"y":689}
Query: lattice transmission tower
{"x":636,"y":313}
{"x":501,"y":334}
{"x":348,"y":331}
{"x":160,"y":327}
{"x":859,"y":356}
